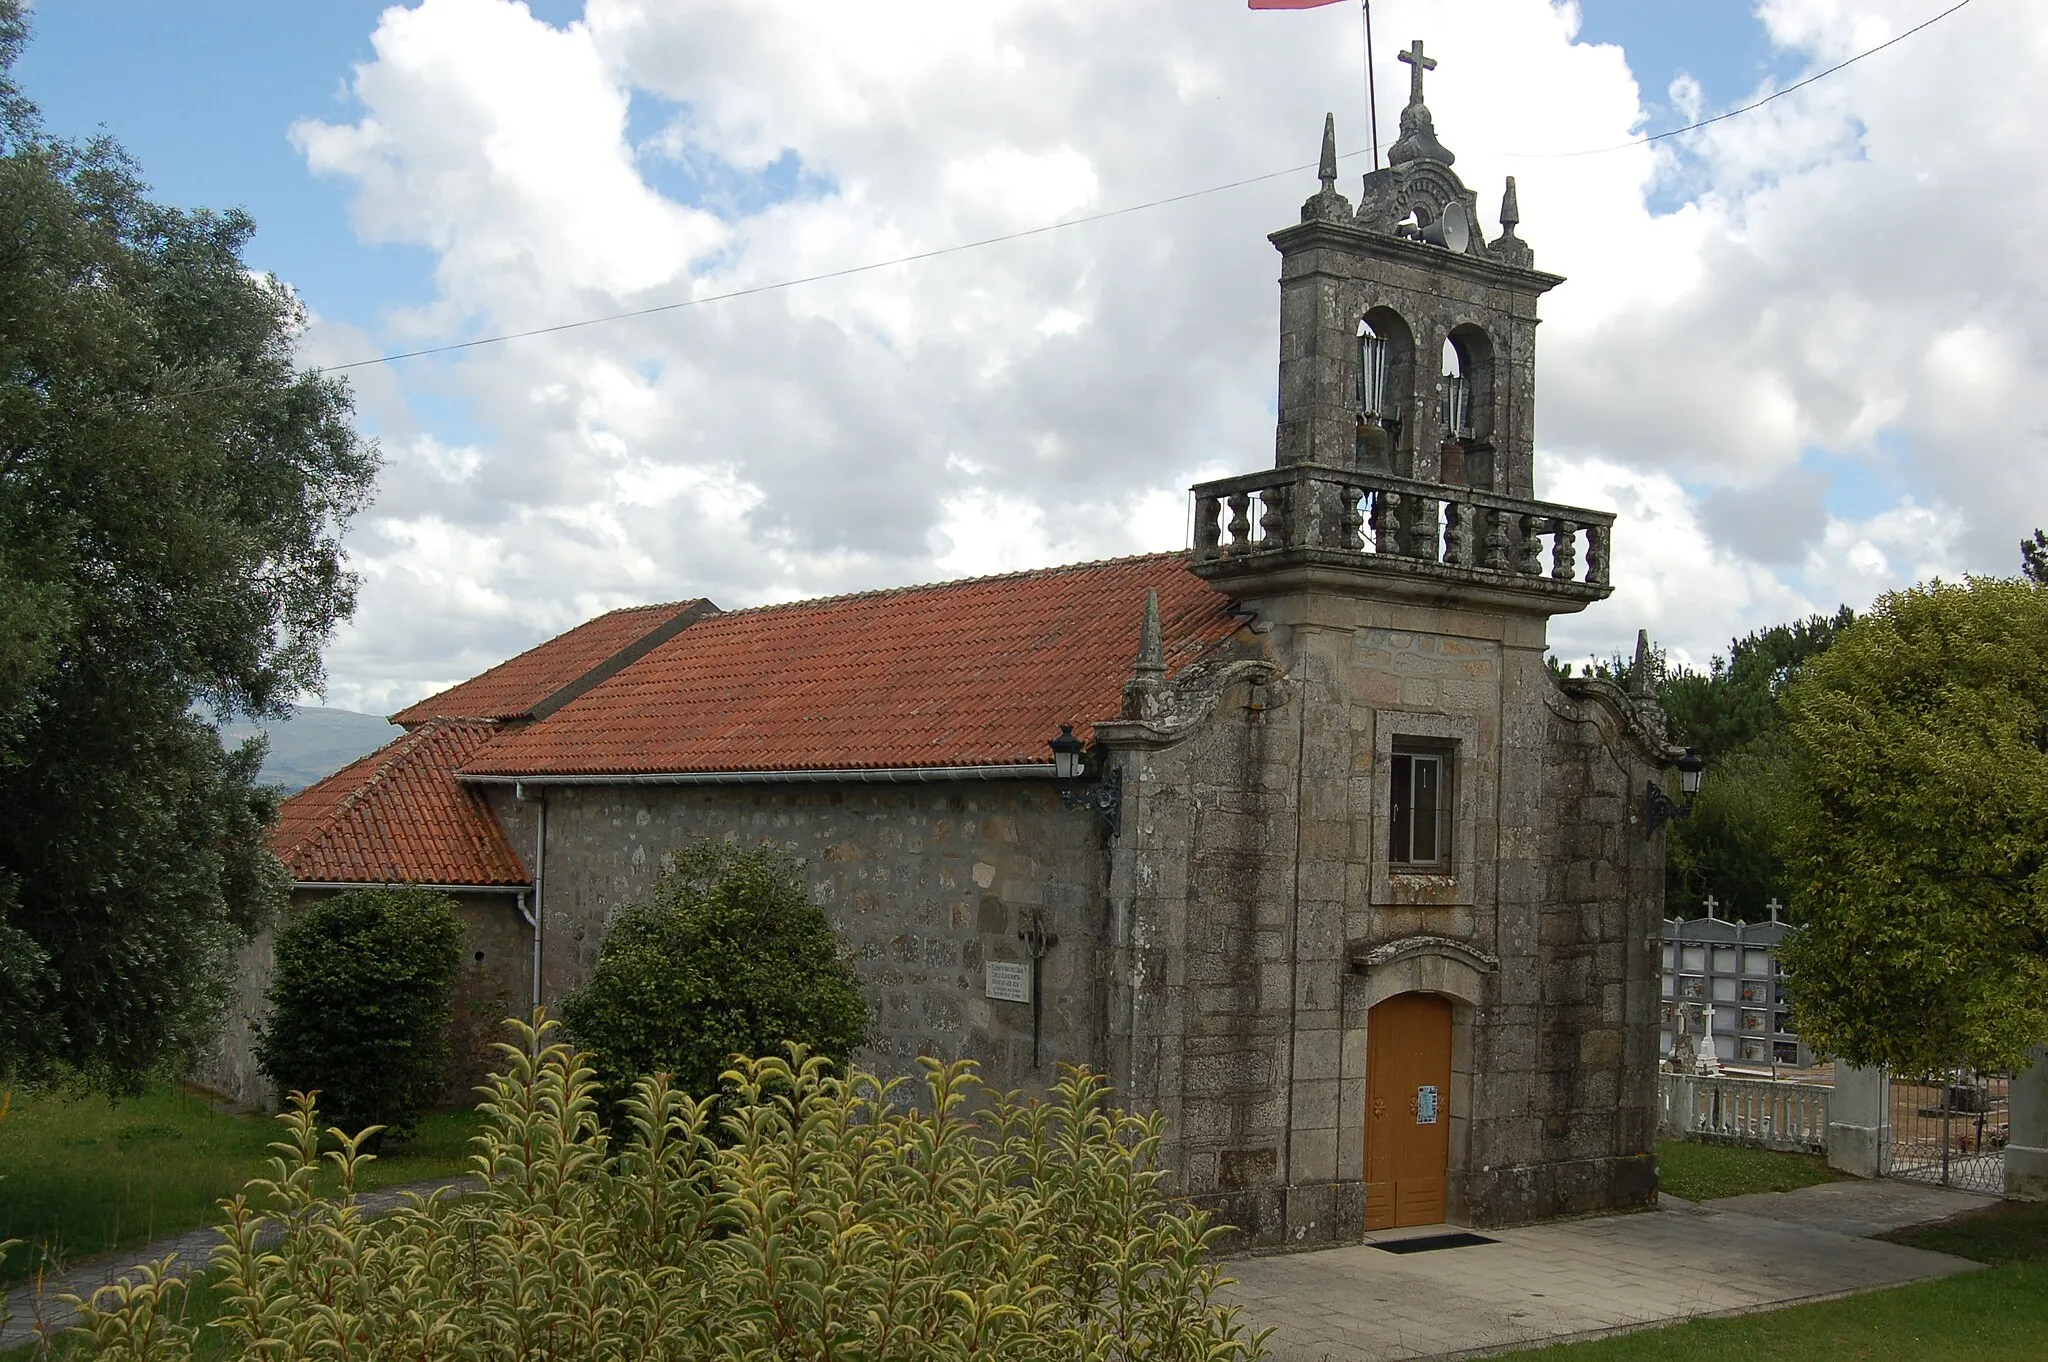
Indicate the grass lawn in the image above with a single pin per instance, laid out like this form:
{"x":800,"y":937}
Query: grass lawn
{"x":1998,"y":1315}
{"x":1701,"y":1172}
{"x":82,"y":1176}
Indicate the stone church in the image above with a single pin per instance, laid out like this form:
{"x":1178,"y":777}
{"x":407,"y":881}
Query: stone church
{"x":1293,"y":833}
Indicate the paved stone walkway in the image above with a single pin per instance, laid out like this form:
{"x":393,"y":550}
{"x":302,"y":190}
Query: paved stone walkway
{"x":37,"y":1308}
{"x":1538,"y":1284}
{"x":1547,"y":1283}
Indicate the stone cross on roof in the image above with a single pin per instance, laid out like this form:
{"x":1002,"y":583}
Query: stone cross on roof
{"x":1418,"y":130}
{"x":1417,"y":64}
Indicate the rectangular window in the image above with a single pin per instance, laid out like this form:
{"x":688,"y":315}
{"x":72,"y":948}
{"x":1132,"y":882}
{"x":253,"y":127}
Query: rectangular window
{"x":1421,"y":810}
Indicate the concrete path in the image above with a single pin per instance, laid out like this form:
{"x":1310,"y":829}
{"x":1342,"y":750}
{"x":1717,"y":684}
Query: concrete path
{"x":36,"y":1308}
{"x":1578,"y":1278}
{"x":1857,"y":1207}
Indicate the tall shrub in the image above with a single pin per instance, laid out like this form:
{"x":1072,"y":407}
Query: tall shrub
{"x":361,"y":1002}
{"x":728,"y":956}
{"x":828,"y":1220}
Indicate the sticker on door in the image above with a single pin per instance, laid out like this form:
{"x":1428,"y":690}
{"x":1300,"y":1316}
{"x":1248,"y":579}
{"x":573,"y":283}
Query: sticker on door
{"x":1425,"y":1105}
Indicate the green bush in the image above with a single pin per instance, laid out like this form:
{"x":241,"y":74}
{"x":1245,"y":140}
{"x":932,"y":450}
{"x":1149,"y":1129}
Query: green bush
{"x":728,"y":957}
{"x":361,"y":1002}
{"x":826,"y":1221}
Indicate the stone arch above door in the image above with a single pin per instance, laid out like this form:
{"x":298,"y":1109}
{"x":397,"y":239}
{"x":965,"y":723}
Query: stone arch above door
{"x":1425,"y":964}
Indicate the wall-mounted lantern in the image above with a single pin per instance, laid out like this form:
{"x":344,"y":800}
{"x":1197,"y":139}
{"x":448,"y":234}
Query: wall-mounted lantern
{"x":1105,"y":796}
{"x":1659,"y":808}
{"x":1066,"y":754}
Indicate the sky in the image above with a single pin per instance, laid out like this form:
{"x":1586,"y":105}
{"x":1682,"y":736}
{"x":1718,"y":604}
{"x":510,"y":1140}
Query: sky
{"x":1795,"y":350}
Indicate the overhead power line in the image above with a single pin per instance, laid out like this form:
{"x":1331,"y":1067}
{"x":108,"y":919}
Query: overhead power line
{"x":1064,"y":223}
{"x":1756,"y":104}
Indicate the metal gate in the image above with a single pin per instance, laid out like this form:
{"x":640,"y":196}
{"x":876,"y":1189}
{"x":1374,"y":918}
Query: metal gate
{"x":1950,"y":1130}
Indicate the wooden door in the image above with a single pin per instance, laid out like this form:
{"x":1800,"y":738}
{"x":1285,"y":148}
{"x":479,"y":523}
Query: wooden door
{"x":1407,"y":1110}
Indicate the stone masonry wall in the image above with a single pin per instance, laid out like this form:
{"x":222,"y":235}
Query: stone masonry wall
{"x":923,"y":883}
{"x":495,"y":980}
{"x":1254,"y":884}
{"x":1202,"y":910}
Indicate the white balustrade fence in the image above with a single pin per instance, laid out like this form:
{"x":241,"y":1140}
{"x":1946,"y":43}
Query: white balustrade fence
{"x":1750,"y":1111}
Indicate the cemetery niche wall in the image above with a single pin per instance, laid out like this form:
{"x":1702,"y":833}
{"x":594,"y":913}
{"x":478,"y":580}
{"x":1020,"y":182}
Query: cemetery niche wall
{"x":1723,"y":977}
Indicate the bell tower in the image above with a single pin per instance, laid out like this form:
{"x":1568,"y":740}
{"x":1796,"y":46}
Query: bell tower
{"x":1406,"y":906}
{"x":1407,"y":339}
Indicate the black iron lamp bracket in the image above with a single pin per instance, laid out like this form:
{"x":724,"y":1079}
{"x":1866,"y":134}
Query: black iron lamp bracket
{"x":1660,"y":808}
{"x":1105,"y":796}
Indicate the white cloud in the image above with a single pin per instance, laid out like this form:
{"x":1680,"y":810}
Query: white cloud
{"x":1850,"y":276}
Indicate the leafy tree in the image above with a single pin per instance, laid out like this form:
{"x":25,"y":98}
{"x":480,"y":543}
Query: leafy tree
{"x":172,"y":489}
{"x":1732,"y":714}
{"x":827,"y":1220}
{"x":1918,"y":831}
{"x":361,"y":1002}
{"x":2034,"y":559}
{"x":1730,"y":846}
{"x":728,"y":957}
{"x":1736,"y":700}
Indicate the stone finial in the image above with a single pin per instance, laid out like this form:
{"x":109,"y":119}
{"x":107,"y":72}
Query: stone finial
{"x":1507,"y":247}
{"x":1418,"y":130}
{"x":1327,"y":205}
{"x":1145,"y":692}
{"x":1641,"y":680}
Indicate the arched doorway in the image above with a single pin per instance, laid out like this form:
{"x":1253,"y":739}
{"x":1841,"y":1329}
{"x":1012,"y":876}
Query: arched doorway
{"x":1407,"y":1110}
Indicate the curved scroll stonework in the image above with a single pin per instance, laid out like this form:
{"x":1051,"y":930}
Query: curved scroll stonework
{"x":1188,"y":700}
{"x":1641,"y":717}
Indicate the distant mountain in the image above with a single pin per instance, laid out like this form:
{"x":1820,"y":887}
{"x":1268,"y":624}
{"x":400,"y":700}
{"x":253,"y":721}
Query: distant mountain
{"x":313,"y":743}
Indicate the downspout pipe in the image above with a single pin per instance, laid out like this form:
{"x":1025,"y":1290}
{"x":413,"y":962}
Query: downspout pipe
{"x":540,"y":871}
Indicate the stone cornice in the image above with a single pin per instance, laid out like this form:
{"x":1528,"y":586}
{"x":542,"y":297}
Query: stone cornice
{"x":1349,"y":237}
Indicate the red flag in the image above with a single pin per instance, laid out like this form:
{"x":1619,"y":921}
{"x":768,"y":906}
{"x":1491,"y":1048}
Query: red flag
{"x":1291,"y":4}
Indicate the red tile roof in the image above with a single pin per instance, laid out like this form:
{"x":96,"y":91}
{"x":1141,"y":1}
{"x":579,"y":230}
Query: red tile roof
{"x":971,"y":673}
{"x":398,"y":816}
{"x":523,"y":686}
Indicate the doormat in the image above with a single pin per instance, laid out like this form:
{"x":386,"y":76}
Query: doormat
{"x":1425,"y":1243}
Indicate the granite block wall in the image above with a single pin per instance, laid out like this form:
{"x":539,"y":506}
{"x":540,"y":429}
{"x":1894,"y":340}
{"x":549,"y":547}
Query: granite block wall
{"x":924,"y":883}
{"x":1259,"y":899}
{"x":494,"y":981}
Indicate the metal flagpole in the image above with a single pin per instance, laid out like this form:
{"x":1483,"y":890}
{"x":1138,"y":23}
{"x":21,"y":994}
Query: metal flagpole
{"x":1372,"y":102}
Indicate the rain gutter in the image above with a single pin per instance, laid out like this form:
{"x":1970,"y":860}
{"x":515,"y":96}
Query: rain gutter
{"x":854,"y":775}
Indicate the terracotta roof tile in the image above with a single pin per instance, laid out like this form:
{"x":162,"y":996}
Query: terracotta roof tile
{"x":969,"y":673}
{"x":398,"y":816}
{"x":513,"y":689}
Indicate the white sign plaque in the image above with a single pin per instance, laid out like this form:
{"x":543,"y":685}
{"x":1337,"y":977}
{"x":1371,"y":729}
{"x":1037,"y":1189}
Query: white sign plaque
{"x":1007,"y":981}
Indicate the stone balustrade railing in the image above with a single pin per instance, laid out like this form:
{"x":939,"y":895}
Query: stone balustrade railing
{"x":1750,"y":1111}
{"x":1310,"y":512}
